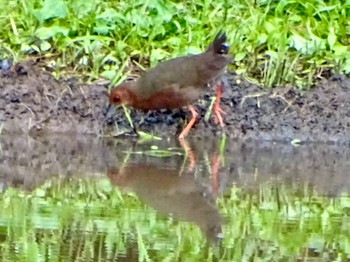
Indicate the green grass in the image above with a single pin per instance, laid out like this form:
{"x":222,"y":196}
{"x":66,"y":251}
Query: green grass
{"x":274,"y":42}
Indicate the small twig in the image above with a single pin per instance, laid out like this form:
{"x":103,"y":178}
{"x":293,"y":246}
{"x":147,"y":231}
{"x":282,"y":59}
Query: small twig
{"x":255,"y":95}
{"x":281,"y":96}
{"x":30,"y":110}
{"x":47,"y":94}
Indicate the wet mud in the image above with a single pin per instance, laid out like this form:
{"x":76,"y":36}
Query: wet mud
{"x":33,"y":102}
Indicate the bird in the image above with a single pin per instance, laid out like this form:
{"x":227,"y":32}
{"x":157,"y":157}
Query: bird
{"x":178,"y":83}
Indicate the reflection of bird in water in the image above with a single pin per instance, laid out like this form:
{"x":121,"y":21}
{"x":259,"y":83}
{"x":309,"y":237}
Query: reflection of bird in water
{"x":167,"y":192}
{"x":214,"y":165}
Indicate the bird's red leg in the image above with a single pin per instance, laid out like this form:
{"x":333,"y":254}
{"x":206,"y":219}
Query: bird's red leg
{"x":214,"y":172}
{"x":189,"y":153}
{"x":217,"y":109}
{"x":190,"y":124}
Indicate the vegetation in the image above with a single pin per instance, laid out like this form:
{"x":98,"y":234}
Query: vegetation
{"x":274,"y":42}
{"x":85,"y":220}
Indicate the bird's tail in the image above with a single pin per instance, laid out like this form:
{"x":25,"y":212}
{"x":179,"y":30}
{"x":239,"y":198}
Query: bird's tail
{"x":218,"y":46}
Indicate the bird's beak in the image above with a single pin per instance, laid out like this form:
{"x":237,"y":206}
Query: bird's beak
{"x":110,"y":110}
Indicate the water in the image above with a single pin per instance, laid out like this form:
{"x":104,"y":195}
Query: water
{"x":72,"y":198}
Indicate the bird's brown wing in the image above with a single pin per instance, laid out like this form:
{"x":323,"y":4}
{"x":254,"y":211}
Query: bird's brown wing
{"x":178,"y":73}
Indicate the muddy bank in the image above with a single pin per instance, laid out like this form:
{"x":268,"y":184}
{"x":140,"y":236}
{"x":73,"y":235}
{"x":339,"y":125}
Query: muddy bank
{"x":33,"y":101}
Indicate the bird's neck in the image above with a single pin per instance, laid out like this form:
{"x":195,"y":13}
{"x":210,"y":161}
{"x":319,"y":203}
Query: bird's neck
{"x":132,"y":100}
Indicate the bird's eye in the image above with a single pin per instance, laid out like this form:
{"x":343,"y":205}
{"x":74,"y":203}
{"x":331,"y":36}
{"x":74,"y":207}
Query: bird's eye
{"x":116,"y":99}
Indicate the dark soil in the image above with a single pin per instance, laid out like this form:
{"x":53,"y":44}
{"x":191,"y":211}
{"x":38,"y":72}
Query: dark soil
{"x":33,"y":101}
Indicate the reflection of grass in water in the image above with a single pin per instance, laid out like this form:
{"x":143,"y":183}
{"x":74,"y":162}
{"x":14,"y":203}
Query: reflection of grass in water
{"x":93,"y":221}
{"x":289,"y":217}
{"x":83,"y":220}
{"x":222,"y":149}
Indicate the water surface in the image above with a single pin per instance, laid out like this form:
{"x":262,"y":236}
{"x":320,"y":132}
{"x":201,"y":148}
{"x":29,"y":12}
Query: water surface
{"x":73,"y":198}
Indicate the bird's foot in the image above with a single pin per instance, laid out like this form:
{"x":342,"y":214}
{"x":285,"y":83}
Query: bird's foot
{"x":190,"y":124}
{"x":218,"y":114}
{"x":217,"y":109}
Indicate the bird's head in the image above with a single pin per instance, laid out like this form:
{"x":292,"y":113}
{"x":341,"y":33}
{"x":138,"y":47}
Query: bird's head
{"x":121,"y":95}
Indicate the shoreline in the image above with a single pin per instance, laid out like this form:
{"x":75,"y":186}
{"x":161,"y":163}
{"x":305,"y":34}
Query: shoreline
{"x":33,"y":101}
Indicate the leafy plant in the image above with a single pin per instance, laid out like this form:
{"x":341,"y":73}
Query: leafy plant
{"x":274,"y":42}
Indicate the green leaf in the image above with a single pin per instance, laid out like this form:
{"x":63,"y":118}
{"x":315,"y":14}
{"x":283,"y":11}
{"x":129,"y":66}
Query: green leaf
{"x":239,"y":56}
{"x":26,"y":48}
{"x":147,"y":136}
{"x":346,"y":66}
{"x":45,"y":33}
{"x":174,"y":41}
{"x":269,"y":27}
{"x":306,"y":46}
{"x":35,"y":48}
{"x":102,"y":28}
{"x":340,"y":51}
{"x":108,"y":74}
{"x":45,"y":46}
{"x":262,"y":38}
{"x":297,"y":42}
{"x":157,"y":55}
{"x":192,"y":50}
{"x":51,"y":9}
{"x":296,"y":142}
{"x":326,"y":9}
{"x":110,"y":15}
{"x":332,"y":38}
